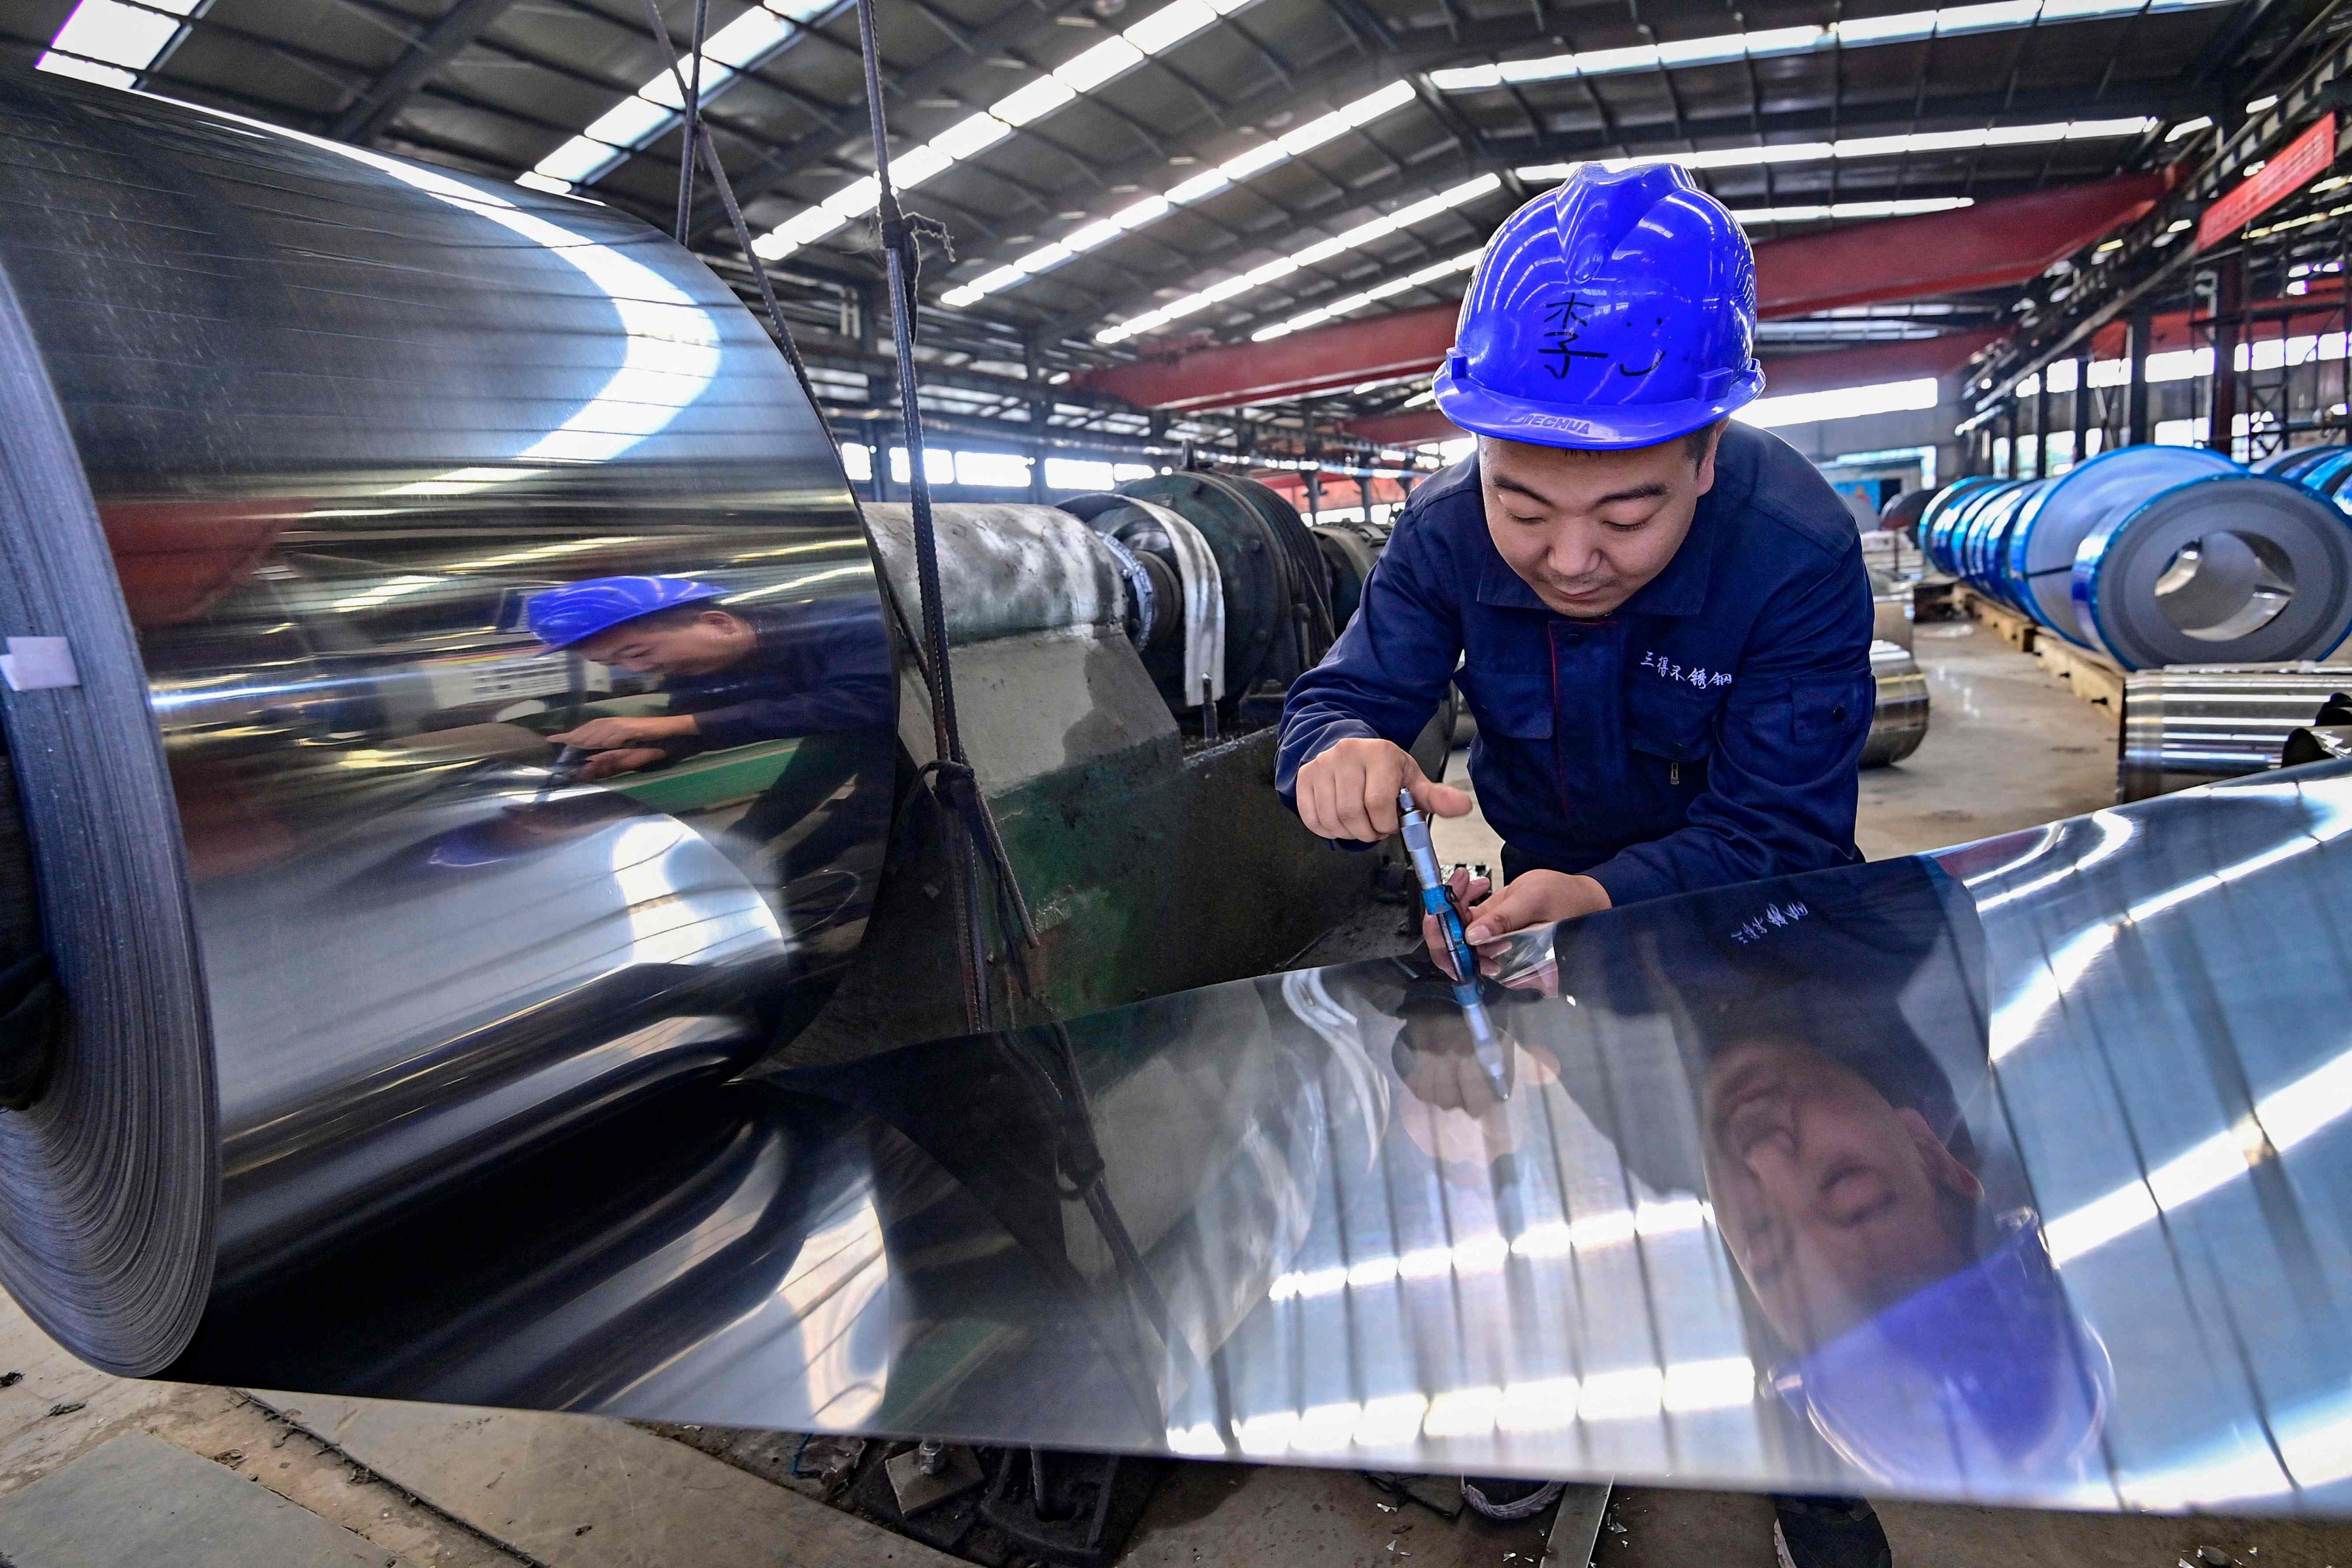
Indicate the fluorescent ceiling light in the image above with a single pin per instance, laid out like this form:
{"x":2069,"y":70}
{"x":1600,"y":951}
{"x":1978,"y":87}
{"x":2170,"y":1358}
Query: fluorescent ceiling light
{"x":1362,"y":234}
{"x":629,"y":122}
{"x":111,"y":44}
{"x":1243,"y":167}
{"x":1202,"y":187}
{"x":1316,"y":317}
{"x":806,"y":228}
{"x":1908,"y":27}
{"x":1035,"y":101}
{"x":2188,"y":127}
{"x":1111,"y":58}
{"x":972,"y":135}
{"x":1169,"y":25}
{"x":1151,"y":209}
{"x":916,"y":164}
{"x":1866,"y":147}
{"x":655,"y":109}
{"x":855,"y":199}
{"x":1102,"y":231}
{"x":1026,"y":104}
{"x":1839,"y":212}
{"x":1259,"y":159}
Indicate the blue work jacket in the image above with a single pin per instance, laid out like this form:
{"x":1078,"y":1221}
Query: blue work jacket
{"x":1706,"y":732}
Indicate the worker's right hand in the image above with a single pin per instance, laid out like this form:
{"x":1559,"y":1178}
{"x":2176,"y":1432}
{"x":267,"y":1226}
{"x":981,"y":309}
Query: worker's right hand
{"x":1349,"y":790}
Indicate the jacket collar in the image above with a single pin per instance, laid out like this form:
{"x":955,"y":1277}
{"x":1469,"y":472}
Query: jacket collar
{"x":1679,"y":590}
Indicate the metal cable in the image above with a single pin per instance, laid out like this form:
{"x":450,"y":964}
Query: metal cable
{"x":972,"y":831}
{"x":693,"y":129}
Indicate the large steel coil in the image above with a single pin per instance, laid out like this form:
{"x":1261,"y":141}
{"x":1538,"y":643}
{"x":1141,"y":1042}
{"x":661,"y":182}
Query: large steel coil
{"x":2159,"y":555}
{"x":2233,"y":566}
{"x":2294,"y":462}
{"x":290,"y":432}
{"x":2037,"y":566}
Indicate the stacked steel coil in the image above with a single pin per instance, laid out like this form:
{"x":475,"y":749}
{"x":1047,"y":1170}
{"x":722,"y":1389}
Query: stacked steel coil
{"x":2203,"y":724}
{"x":2160,"y":555}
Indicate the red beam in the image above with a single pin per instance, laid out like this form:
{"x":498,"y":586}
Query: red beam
{"x":1410,"y":428}
{"x":1817,"y":372}
{"x":1321,"y":359}
{"x":1987,"y":245}
{"x":1983,"y":246}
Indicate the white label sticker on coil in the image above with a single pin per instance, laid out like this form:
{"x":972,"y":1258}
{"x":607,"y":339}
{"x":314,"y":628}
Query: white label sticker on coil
{"x":38,"y":664}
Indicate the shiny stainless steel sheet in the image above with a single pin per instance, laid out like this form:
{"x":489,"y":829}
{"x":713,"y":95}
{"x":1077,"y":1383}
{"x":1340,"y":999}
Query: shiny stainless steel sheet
{"x":2017,"y":1173}
{"x":340,"y":417}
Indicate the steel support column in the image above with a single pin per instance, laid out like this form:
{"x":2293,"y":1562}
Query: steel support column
{"x":2135,"y":426}
{"x":1041,"y":410}
{"x":2041,"y":428}
{"x":2220,"y":430}
{"x":2078,"y":439}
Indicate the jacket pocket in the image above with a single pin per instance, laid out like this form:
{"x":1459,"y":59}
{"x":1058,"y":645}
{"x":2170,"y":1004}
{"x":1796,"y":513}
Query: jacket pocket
{"x":1666,"y":721}
{"x":1509,"y":702}
{"x":1829,"y":712}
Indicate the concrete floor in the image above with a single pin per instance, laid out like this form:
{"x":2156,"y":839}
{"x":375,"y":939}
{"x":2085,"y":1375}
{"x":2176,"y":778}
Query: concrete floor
{"x":2009,"y":747}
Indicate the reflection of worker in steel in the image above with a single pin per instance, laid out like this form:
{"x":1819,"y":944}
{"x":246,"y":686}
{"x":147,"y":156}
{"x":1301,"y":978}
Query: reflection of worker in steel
{"x":817,"y":673}
{"x":1455,"y":1108}
{"x":734,"y":675}
{"x":1659,"y":616}
{"x":1836,"y":1025}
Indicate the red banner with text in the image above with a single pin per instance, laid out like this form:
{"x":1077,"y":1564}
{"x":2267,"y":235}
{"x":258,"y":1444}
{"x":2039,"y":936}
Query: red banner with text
{"x":2302,"y":163}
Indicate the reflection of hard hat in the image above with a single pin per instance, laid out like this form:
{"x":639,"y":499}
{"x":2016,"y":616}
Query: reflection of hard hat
{"x":1617,"y":311}
{"x":561,"y":617}
{"x":1984,"y":1376}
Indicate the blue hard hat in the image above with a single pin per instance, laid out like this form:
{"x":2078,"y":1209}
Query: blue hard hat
{"x":577,"y":611}
{"x":1986,"y":1381}
{"x":1616,"y":310}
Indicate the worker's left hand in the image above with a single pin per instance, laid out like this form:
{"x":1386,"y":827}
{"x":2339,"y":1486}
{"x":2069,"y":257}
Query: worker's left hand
{"x":1467,"y":890}
{"x":619,"y":759}
{"x":608,"y":734}
{"x":1529,"y":899}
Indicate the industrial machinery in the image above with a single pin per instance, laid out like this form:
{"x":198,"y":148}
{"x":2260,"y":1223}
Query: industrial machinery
{"x":2156,"y":556}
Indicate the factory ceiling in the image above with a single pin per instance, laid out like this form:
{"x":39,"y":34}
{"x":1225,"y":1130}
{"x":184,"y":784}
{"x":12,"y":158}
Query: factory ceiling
{"x":1125,"y":179}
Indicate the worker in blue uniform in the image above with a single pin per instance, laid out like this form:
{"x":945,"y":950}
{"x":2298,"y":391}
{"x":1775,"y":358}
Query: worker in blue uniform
{"x":815,"y":672}
{"x":1660,"y":619}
